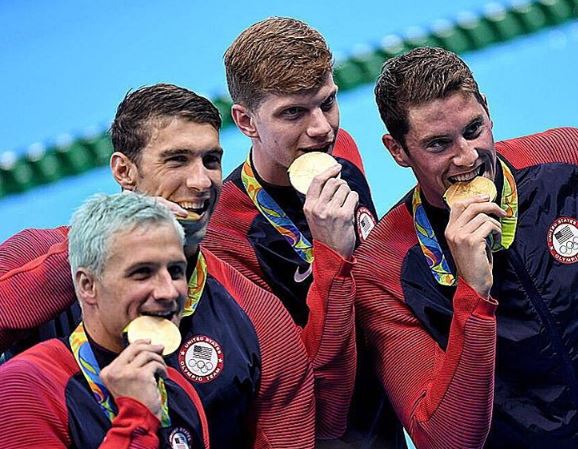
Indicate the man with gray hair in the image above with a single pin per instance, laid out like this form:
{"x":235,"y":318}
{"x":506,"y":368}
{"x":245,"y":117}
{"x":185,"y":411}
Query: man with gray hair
{"x":91,"y":390}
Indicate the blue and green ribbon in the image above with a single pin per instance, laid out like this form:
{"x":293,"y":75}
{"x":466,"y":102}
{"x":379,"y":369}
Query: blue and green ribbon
{"x":428,"y":241}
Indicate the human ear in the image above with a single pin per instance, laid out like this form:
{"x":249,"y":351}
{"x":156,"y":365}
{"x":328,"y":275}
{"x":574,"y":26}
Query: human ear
{"x":396,"y":150}
{"x":124,"y":171}
{"x":85,"y":286}
{"x":243,"y":118}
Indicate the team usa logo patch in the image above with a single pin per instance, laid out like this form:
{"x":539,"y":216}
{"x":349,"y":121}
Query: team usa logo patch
{"x":180,"y":438}
{"x":201,"y":359}
{"x":365,"y":222}
{"x":563,"y":240}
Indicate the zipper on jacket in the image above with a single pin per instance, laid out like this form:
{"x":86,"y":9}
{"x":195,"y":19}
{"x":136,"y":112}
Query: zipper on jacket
{"x":548,"y":320}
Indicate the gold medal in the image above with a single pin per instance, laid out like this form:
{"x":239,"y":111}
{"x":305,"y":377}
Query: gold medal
{"x":460,"y":191}
{"x":191,"y":216}
{"x":159,"y":331}
{"x":306,"y":167}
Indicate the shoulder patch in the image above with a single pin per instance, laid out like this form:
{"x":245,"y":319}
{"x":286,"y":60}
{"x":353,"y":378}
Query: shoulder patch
{"x":201,"y":359}
{"x":180,"y":438}
{"x":365,"y":222}
{"x":563,"y":240}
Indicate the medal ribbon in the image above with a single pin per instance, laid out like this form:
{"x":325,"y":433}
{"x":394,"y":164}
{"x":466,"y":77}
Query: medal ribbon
{"x":89,"y":366}
{"x":196,"y":286}
{"x":510,"y":205}
{"x":274,"y":214}
{"x":428,"y":241}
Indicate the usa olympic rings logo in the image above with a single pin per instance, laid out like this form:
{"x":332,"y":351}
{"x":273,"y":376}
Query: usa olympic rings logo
{"x":365,"y":222}
{"x":200,"y":366}
{"x":562,"y":240}
{"x":569,"y":246}
{"x":201,"y":359}
{"x":180,"y":438}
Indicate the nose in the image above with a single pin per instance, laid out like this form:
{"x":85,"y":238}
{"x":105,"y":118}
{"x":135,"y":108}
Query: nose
{"x":319,"y":125}
{"x":198,"y":177}
{"x":165,"y":288}
{"x":466,"y":155}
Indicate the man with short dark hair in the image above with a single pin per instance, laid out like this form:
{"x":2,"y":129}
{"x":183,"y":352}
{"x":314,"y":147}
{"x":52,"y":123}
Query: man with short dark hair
{"x":89,"y":390}
{"x":248,"y":364}
{"x":471,"y":309}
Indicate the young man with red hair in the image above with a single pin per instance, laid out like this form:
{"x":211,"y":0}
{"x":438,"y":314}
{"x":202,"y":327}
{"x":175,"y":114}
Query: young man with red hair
{"x":280,"y":77}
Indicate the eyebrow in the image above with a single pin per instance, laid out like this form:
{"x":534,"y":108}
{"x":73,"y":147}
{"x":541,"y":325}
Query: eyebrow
{"x":478,"y":118}
{"x":185,"y":151}
{"x":153,"y":264}
{"x":178,"y":263}
{"x":301,"y":103}
{"x":218,"y":150}
{"x":333,"y":92}
{"x":430,"y":138}
{"x":138,"y":265}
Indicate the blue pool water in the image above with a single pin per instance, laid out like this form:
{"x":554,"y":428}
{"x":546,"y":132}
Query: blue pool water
{"x":530,"y":83}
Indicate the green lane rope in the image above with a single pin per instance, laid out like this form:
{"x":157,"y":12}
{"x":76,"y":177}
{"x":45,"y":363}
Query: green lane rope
{"x":468,"y":32}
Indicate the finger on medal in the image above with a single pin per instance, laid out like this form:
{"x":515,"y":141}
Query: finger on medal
{"x":320,"y":180}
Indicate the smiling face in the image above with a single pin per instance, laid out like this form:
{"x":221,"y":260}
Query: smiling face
{"x":144,"y":274}
{"x":449,"y":139}
{"x":283,"y":127}
{"x":181,"y":163}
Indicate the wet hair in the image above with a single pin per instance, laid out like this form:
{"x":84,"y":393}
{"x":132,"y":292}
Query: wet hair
{"x":280,"y":56}
{"x":418,"y":77}
{"x":101,"y":217}
{"x":151,"y":106}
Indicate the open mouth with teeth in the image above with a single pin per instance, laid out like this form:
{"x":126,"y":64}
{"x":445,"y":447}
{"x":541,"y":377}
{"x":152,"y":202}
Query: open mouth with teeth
{"x":195,"y":209}
{"x":466,"y":177}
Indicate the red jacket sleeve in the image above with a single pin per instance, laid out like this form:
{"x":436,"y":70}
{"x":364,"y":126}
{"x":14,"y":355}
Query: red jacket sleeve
{"x":135,"y":427}
{"x":329,"y":338}
{"x":33,"y":411}
{"x":34,"y":276}
{"x":329,"y":335}
{"x":37,"y":417}
{"x":554,"y":145}
{"x":443,"y":397}
{"x":285,"y":403}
